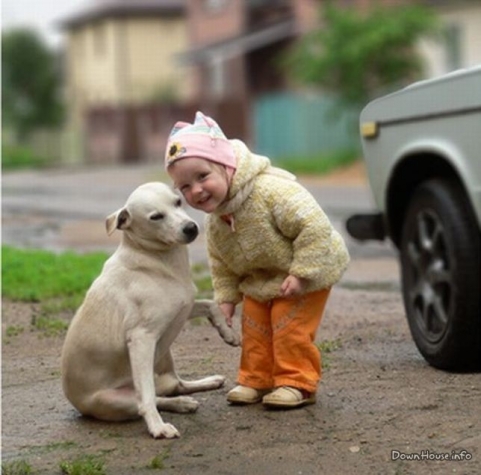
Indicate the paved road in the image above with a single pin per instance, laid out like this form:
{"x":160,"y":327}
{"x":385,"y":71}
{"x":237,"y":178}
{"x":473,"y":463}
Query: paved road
{"x":63,"y":209}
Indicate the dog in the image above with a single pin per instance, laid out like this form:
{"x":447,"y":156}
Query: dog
{"x":116,"y":359}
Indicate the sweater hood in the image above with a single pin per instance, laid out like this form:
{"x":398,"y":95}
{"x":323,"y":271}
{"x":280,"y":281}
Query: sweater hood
{"x":249,"y":167}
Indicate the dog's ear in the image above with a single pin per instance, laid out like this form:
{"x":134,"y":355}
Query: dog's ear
{"x":121,"y":219}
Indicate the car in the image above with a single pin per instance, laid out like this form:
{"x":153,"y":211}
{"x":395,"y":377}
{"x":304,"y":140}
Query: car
{"x":422,"y":150}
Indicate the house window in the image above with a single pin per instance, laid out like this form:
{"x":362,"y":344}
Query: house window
{"x":214,"y":6}
{"x":453,"y":44}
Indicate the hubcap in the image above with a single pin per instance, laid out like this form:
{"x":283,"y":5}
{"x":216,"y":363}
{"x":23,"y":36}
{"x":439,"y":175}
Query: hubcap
{"x":431,"y":289}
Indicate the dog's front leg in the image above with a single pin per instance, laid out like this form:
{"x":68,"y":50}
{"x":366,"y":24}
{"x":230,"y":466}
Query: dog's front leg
{"x":141,"y":347}
{"x":210,"y":310}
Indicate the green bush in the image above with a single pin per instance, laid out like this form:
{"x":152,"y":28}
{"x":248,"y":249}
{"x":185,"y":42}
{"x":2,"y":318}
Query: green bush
{"x":16,"y":157}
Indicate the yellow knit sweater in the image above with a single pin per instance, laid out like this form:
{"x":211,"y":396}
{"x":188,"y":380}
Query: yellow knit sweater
{"x":278,"y":229}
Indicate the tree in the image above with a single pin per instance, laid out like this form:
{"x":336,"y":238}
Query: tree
{"x":30,"y":83}
{"x":358,"y":55}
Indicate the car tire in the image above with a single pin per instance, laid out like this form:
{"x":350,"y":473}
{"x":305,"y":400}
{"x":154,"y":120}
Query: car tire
{"x":441,"y":276}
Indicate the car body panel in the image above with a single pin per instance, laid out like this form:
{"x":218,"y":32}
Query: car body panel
{"x":441,"y":117}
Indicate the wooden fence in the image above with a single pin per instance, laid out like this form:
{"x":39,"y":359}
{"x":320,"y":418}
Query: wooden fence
{"x":139,"y":134}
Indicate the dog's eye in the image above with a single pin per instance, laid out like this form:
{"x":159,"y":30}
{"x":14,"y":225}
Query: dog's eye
{"x":157,"y":216}
{"x":178,"y":203}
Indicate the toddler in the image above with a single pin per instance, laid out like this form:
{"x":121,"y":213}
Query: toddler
{"x":272,"y":248}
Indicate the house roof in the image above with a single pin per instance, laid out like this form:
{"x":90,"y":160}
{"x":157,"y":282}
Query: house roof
{"x":101,"y":9}
{"x":241,"y":44}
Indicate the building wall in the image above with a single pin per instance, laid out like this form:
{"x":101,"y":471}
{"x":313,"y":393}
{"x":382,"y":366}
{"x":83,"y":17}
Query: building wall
{"x":123,"y":61}
{"x":306,"y":13}
{"x":92,"y":63}
{"x":224,"y":19}
{"x":208,"y":24}
{"x":152,"y":46}
{"x":126,"y":60}
{"x":460,"y":46}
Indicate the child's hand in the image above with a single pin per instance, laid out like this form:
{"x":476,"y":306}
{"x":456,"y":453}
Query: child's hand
{"x":228,"y":310}
{"x":292,"y":285}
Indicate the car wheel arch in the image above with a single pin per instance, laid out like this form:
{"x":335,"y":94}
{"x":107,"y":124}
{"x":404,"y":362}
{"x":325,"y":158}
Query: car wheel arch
{"x":406,"y":176}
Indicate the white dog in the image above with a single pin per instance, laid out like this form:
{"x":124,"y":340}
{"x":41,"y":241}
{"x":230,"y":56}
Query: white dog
{"x":116,"y":359}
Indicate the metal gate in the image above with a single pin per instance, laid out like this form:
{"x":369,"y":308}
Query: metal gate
{"x":302,"y":125}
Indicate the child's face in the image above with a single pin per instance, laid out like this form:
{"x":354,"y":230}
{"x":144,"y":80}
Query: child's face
{"x":204,"y":184}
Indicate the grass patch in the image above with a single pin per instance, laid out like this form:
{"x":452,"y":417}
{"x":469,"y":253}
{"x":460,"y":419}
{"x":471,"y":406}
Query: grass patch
{"x":60,"y":281}
{"x":157,"y":463}
{"x":49,"y":326}
{"x":326,"y":347}
{"x":69,"y":444}
{"x":16,"y":157}
{"x":34,"y":275}
{"x":199,"y":321}
{"x":69,"y":303}
{"x":317,"y":164}
{"x":110,"y":434}
{"x":18,"y":467}
{"x":14,"y":330}
{"x":40,"y":450}
{"x":202,"y":280}
{"x":84,"y":465}
{"x":204,"y":286}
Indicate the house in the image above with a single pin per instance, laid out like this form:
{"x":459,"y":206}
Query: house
{"x":120,"y":54}
{"x":235,"y":51}
{"x":136,"y":66}
{"x":235,"y":43}
{"x":131,"y":68}
{"x":460,"y":46}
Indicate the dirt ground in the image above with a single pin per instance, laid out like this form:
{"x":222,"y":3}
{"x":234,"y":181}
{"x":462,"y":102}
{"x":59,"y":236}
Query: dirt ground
{"x":379,"y":404}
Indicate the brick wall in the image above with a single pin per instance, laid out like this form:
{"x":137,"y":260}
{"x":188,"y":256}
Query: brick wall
{"x":205,"y":27}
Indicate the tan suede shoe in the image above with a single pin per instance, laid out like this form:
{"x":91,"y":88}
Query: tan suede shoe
{"x":287,"y":397}
{"x":245,"y":395}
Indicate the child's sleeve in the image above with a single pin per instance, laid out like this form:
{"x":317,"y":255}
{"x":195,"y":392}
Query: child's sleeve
{"x":224,"y":281}
{"x":319,"y":250}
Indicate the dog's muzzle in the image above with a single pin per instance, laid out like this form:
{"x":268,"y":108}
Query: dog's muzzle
{"x":191,"y":231}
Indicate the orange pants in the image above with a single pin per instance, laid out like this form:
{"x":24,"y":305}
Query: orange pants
{"x":278,"y":342}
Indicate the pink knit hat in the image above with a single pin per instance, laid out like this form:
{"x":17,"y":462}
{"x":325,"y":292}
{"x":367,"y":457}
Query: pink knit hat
{"x":202,"y":139}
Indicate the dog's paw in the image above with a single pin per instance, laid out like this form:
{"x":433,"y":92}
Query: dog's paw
{"x":230,"y":336}
{"x":217,"y":380}
{"x":217,"y":318}
{"x":185,"y":404}
{"x":165,"y":431}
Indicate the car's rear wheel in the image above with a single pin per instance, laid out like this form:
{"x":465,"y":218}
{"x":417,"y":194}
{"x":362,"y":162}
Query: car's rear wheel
{"x":441,"y":276}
